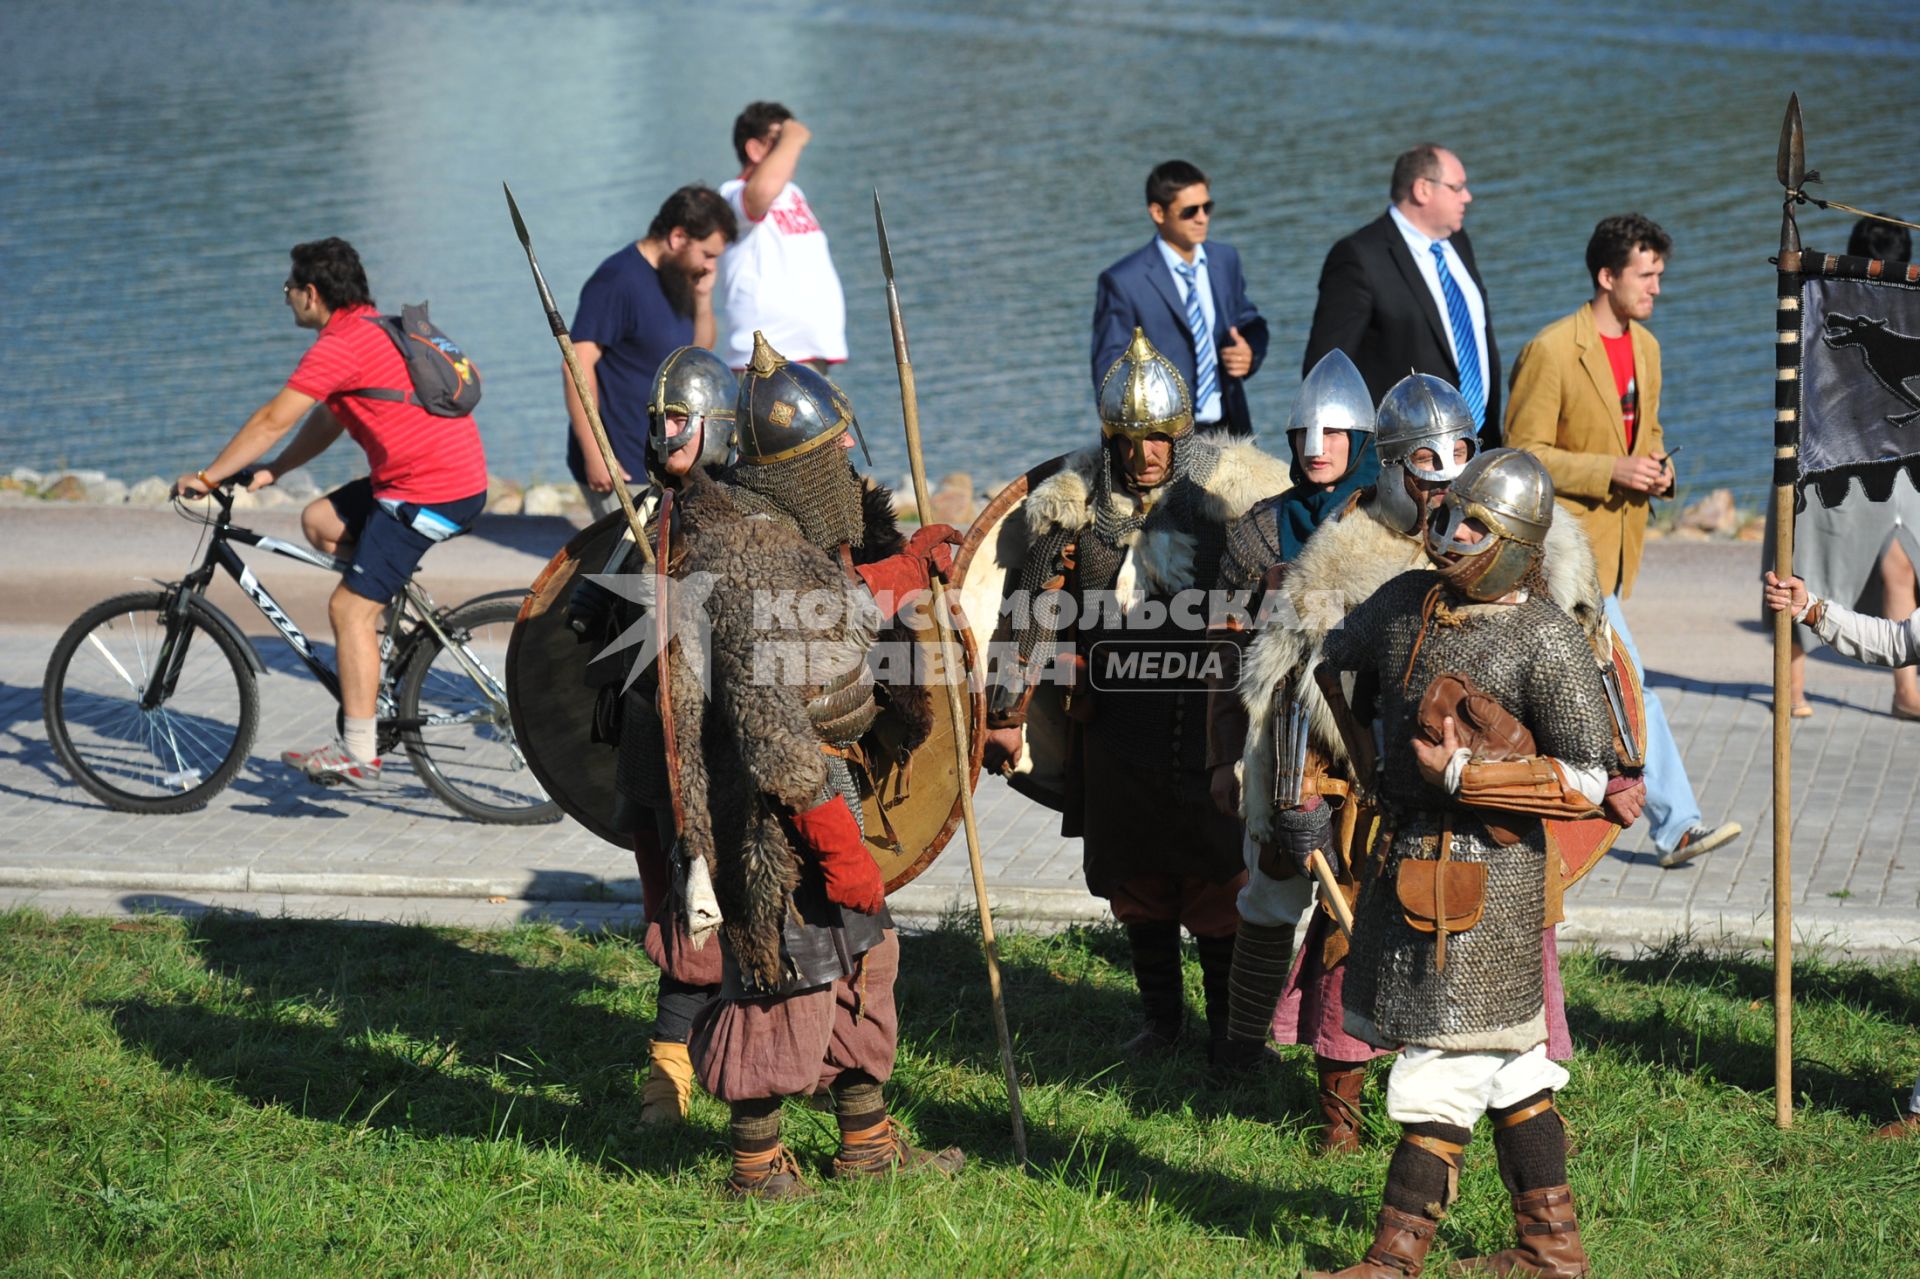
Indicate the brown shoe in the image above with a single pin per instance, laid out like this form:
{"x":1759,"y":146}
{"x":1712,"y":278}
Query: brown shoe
{"x":1340,"y":1084}
{"x":1399,"y":1251}
{"x":768,"y":1174}
{"x":1549,"y":1240}
{"x":883,"y":1151}
{"x":1907,"y":1125}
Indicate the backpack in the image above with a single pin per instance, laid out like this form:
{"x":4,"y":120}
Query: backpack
{"x":445,"y":382}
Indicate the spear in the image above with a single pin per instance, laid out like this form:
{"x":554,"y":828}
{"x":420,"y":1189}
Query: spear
{"x":951,"y":664}
{"x":585,"y":392}
{"x":1791,"y":169}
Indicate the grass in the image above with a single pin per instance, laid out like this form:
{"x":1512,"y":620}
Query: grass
{"x":239,"y":1097}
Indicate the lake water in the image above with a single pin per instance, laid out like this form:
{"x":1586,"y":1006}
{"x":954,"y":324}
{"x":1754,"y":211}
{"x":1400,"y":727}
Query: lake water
{"x":158,"y":160}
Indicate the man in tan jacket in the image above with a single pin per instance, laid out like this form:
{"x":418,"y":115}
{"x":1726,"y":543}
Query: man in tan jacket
{"x":1586,"y":401}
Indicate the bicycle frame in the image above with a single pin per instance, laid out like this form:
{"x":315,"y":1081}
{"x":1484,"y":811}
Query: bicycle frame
{"x":395,"y":647}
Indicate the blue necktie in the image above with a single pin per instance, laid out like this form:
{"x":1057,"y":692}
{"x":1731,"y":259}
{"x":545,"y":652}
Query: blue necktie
{"x":1466,"y":350}
{"x":1206,"y":379}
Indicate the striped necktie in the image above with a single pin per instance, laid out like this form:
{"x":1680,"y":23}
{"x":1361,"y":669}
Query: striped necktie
{"x":1206,"y":378}
{"x":1466,"y":349}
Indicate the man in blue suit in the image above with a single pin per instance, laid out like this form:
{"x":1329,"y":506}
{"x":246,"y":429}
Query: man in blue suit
{"x":1190,"y":298}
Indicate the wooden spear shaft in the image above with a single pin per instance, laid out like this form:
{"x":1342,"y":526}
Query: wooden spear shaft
{"x":951,"y":666}
{"x":1788,"y":325}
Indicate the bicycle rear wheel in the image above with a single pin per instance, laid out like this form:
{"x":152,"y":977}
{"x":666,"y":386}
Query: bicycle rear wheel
{"x":169,"y":758}
{"x":463,"y":746}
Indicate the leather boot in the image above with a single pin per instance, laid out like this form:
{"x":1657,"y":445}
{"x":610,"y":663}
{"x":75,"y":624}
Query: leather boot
{"x":669,"y":1084}
{"x":883,"y":1151}
{"x":1216,"y":979}
{"x":1549,"y":1240}
{"x":1399,"y":1251}
{"x":1907,"y":1125}
{"x":1163,"y":996}
{"x":766,"y":1174}
{"x":1340,"y":1084}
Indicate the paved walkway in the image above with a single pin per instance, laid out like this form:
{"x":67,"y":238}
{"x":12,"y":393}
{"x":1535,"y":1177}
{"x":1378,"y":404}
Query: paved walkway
{"x":273,"y":845}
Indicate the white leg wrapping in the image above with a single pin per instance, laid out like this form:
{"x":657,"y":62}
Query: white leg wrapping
{"x":1270,"y":901}
{"x":1441,"y":1085}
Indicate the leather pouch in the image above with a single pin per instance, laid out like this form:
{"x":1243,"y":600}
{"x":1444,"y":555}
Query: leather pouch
{"x":1430,"y":892}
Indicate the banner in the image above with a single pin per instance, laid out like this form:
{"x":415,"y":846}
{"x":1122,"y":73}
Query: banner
{"x":1859,"y":375}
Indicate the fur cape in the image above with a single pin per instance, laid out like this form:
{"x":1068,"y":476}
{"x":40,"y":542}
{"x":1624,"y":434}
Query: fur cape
{"x":1160,"y":557}
{"x":746,"y":746}
{"x":1344,"y":562}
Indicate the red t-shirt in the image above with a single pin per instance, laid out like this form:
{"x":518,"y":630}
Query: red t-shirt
{"x":415,"y":456}
{"x":1620,"y":356}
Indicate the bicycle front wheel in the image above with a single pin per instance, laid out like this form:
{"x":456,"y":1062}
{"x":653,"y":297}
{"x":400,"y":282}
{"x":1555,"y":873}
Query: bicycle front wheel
{"x":453,"y":705}
{"x":171,"y":757}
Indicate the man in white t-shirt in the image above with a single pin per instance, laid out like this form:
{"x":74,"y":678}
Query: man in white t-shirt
{"x":778,"y":276}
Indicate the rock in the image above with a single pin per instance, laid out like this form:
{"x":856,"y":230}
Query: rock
{"x":1712,"y":514}
{"x":952,"y":502}
{"x":85,"y":477}
{"x":1685,"y":534}
{"x":68,"y":488}
{"x":107,"y":493}
{"x":1754,"y":530}
{"x":27,"y":477}
{"x":10,"y":485}
{"x":504,"y":497}
{"x":543,"y":499}
{"x":245,"y":501}
{"x":273,"y":495}
{"x":299,"y":486}
{"x":152,"y":491}
{"x":1655,"y":532}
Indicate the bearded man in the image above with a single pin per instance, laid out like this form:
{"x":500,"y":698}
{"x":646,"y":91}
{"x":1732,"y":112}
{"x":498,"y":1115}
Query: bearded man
{"x":1121,"y":571}
{"x":1445,"y":963}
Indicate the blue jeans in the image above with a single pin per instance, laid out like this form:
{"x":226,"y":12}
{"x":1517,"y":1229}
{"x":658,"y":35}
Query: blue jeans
{"x":1671,"y":808}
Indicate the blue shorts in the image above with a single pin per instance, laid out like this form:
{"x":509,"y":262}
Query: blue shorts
{"x":390,"y":537}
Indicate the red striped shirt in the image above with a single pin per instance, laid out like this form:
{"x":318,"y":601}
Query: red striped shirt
{"x":415,"y":456}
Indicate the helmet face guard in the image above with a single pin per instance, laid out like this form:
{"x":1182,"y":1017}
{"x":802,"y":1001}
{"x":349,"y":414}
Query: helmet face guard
{"x":1508,"y":496}
{"x":696,"y":385}
{"x":1333,"y":397}
{"x":1422,"y":411}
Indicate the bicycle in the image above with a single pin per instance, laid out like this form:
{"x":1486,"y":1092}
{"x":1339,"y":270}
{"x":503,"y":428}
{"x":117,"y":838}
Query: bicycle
{"x":160,"y":713}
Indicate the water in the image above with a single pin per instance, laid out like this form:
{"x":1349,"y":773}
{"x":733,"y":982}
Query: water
{"x":154,"y":173}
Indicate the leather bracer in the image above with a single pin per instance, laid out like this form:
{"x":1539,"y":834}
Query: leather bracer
{"x":1529,"y":785}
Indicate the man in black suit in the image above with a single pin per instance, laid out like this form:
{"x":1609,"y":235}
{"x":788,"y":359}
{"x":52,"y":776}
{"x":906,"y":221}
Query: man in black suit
{"x":1404,"y":295}
{"x":1190,"y":298}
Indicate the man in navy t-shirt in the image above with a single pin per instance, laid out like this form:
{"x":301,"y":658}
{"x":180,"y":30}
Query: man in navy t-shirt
{"x":643,"y":303}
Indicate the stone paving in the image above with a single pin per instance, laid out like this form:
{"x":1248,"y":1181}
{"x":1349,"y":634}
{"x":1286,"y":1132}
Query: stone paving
{"x":273,"y":844}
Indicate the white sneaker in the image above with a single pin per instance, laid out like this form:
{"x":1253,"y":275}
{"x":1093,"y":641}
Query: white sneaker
{"x":1698,"y":839}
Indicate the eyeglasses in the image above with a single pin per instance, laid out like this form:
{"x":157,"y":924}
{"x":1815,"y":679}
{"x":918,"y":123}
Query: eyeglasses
{"x":286,"y":290}
{"x":1192,"y":211}
{"x":1458,"y":188}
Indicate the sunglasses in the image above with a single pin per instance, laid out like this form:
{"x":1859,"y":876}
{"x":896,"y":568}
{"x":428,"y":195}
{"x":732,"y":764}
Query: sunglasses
{"x":1192,"y":211}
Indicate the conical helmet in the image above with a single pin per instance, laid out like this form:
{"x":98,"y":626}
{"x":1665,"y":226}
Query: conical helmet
{"x":786,"y":410}
{"x":1143,"y":395}
{"x":1509,"y":493}
{"x":1334,"y":397}
{"x":696,"y":384}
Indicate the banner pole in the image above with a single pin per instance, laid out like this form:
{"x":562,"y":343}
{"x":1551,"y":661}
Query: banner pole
{"x":1788,"y":331}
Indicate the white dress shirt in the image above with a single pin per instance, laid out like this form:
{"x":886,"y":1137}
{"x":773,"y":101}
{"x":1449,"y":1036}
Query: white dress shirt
{"x":1421,"y":247}
{"x":1209,"y":411}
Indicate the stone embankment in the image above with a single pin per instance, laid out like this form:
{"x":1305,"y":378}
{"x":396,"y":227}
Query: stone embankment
{"x":955,"y":499}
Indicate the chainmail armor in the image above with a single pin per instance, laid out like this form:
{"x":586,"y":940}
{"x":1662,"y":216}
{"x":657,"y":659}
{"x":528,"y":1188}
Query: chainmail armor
{"x":1533,"y":659}
{"x":1253,"y":546}
{"x":817,"y":493}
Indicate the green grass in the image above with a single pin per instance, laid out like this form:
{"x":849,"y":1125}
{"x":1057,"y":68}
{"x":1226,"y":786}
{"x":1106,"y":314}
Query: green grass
{"x":278,"y":1097}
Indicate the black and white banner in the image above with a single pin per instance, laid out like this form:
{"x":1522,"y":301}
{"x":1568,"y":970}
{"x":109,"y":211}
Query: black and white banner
{"x":1859,"y":379}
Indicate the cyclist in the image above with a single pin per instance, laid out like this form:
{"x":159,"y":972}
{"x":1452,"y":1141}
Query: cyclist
{"x":428,"y":480}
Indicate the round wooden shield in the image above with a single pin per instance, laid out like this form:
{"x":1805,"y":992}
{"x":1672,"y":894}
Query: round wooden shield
{"x":985,"y":572}
{"x":1582,"y":844}
{"x":548,"y":693}
{"x":911,"y":811}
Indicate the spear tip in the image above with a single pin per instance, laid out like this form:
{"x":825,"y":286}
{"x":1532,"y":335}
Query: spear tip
{"x":880,"y":225}
{"x":1791,"y":163}
{"x":519,"y":225}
